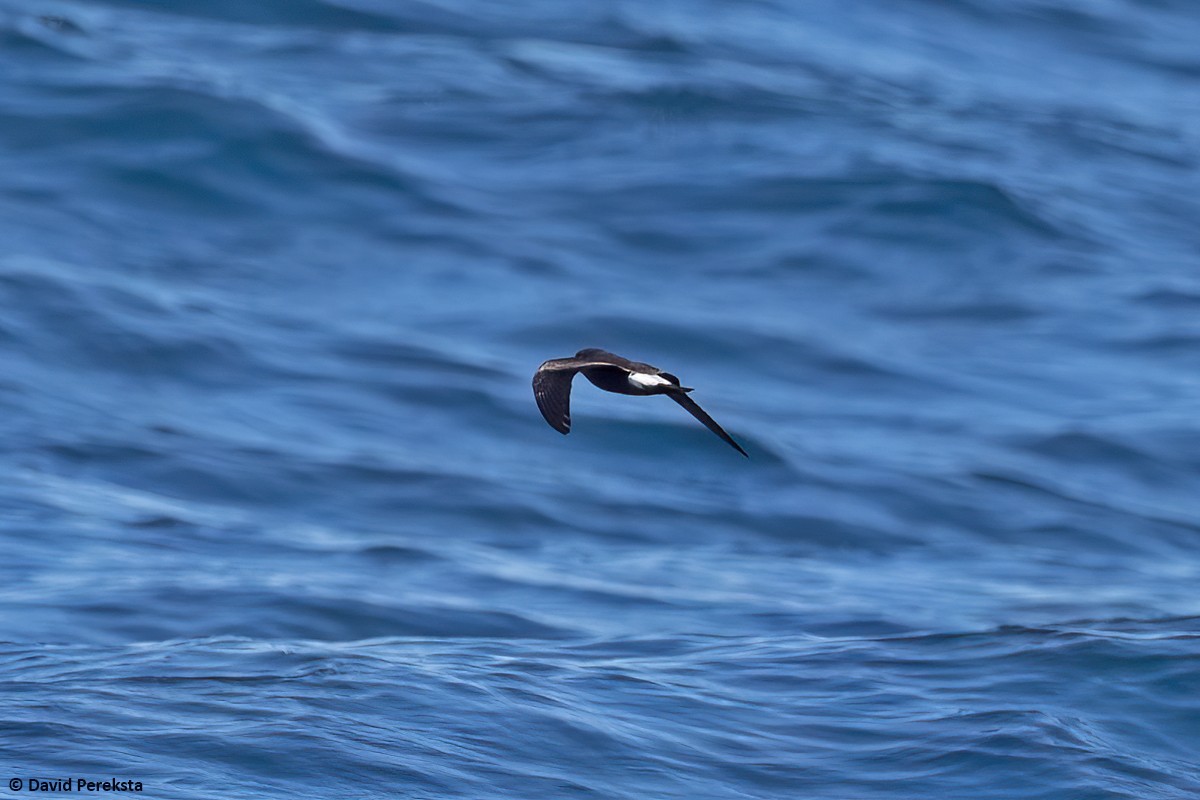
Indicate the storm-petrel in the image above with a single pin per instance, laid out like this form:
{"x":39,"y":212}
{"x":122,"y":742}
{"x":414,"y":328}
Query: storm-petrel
{"x":552,"y":387}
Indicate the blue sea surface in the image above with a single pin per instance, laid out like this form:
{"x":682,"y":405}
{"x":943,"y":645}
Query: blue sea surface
{"x":279,"y":516}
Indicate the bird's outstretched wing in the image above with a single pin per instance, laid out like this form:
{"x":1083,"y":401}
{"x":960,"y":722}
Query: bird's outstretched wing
{"x":552,"y":389}
{"x":696,"y":411}
{"x":552,"y":383}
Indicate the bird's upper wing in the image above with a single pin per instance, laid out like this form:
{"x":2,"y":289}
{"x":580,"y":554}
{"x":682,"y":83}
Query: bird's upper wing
{"x":696,"y":411}
{"x":595,"y":357}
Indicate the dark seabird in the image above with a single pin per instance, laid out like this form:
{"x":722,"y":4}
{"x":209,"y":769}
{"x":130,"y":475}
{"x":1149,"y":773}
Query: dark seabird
{"x":552,"y":387}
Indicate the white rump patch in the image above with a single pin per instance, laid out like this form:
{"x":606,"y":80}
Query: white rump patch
{"x":644,"y":381}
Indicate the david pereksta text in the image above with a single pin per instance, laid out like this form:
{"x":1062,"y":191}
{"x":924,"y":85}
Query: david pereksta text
{"x":74,"y":785}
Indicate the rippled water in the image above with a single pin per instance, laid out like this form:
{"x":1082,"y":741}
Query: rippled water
{"x":280,"y":516}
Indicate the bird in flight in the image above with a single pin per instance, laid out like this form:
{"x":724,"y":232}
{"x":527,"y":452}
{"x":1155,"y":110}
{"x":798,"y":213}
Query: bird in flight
{"x":552,"y":387}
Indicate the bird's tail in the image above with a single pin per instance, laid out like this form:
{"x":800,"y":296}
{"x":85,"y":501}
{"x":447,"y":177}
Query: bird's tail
{"x":674,"y":387}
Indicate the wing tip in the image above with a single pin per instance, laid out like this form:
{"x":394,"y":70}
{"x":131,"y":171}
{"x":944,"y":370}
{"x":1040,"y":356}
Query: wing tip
{"x":693,"y":408}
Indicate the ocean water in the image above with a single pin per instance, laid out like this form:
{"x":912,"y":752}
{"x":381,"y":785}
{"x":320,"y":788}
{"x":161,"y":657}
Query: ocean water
{"x":279,"y":516}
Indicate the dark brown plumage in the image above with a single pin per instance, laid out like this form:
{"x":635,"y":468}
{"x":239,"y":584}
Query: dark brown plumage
{"x":612,"y":373}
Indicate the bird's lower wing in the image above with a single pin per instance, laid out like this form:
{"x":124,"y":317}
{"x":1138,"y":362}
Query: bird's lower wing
{"x":696,"y":411}
{"x":552,"y":389}
{"x":552,"y":386}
